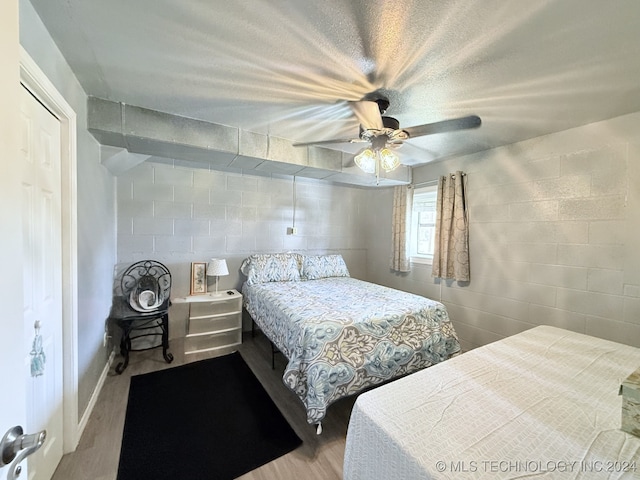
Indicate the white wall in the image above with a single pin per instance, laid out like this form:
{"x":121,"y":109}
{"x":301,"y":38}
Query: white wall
{"x":177,"y":214}
{"x":554,"y":229}
{"x":96,"y":209}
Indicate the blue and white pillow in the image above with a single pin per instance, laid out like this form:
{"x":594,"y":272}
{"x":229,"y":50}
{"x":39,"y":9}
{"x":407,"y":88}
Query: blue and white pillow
{"x":272,"y":267}
{"x":315,"y":267}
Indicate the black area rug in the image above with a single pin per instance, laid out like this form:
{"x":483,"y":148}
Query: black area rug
{"x":210,"y":419}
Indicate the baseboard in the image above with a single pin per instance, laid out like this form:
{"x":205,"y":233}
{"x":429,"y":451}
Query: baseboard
{"x":94,"y":397}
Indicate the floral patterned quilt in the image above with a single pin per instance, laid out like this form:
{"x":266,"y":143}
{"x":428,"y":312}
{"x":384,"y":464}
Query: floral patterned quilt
{"x":342,"y":335}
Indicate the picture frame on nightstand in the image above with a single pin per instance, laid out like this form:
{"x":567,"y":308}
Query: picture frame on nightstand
{"x":198,"y":278}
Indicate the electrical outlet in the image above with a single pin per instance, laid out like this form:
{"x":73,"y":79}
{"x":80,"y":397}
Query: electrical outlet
{"x":292,"y":230}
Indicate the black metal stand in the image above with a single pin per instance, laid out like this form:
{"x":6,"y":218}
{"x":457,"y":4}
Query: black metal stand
{"x":148,"y":327}
{"x":140,"y":307}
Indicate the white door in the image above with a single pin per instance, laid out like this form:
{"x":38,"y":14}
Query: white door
{"x":39,"y":157}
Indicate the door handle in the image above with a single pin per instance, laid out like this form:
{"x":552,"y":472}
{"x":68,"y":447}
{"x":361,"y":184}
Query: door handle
{"x":17,"y":446}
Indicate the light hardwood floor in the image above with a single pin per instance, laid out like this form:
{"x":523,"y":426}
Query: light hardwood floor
{"x":319,"y":457}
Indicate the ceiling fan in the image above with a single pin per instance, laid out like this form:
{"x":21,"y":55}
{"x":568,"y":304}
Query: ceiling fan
{"x":384,"y":133}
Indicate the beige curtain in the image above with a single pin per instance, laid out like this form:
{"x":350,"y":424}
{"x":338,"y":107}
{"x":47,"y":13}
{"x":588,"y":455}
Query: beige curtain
{"x":451,"y":249}
{"x":400,"y":228}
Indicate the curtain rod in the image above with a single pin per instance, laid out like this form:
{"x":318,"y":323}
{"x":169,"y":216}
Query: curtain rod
{"x":432,"y":182}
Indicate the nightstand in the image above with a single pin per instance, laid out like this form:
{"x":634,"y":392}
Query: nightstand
{"x":214,"y":322}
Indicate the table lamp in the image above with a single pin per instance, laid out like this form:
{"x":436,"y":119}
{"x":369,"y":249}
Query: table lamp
{"x":216,"y":268}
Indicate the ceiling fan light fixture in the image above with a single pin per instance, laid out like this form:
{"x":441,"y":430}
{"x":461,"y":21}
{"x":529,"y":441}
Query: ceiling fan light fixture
{"x":389,"y":161}
{"x":366,"y":161}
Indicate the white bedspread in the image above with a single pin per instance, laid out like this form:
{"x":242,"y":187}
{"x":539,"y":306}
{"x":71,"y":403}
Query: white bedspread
{"x":540,"y":404}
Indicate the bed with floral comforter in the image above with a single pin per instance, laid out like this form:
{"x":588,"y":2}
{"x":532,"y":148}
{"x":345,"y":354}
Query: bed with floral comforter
{"x":341,"y":335}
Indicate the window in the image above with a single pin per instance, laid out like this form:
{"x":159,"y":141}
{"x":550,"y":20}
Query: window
{"x":423,"y":224}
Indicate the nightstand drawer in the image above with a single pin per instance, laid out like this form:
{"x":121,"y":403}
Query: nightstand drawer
{"x":212,"y":324}
{"x":212,"y":341}
{"x":206,"y":309}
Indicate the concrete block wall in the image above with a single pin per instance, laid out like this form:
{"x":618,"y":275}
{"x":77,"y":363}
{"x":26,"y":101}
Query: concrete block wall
{"x":554,"y":229}
{"x":177,"y":213}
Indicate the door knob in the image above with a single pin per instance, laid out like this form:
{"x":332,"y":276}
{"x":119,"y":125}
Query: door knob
{"x":16,"y":444}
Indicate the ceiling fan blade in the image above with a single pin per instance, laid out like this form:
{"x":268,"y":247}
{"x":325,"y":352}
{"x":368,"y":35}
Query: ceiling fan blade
{"x":328,"y":142}
{"x":464,"y":123}
{"x":368,"y":114}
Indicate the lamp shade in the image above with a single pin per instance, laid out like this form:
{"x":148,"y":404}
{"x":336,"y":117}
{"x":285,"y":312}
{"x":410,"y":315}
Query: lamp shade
{"x":369,"y":160}
{"x":217,"y":267}
{"x":388,"y":160}
{"x":366,"y":161}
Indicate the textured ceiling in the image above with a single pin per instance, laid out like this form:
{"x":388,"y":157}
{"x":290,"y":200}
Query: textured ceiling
{"x":287,"y":67}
